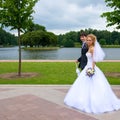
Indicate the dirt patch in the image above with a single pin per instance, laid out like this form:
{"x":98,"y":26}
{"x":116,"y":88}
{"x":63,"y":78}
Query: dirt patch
{"x":113,"y":74}
{"x":15,"y":75}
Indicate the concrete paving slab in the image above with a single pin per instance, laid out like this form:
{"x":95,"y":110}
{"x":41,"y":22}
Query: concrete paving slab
{"x":44,"y":102}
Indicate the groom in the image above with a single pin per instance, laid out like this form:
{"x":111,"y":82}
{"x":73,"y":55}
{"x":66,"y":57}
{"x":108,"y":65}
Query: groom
{"x":83,"y":58}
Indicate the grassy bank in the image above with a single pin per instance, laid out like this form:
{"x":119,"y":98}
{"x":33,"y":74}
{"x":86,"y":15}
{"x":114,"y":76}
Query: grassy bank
{"x":40,"y":48}
{"x":77,"y":44}
{"x":111,"y":46}
{"x":52,"y":72}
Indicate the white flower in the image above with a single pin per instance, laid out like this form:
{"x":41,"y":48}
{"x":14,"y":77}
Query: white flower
{"x":90,"y":72}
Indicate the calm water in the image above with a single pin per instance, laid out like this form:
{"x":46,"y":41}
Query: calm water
{"x":60,"y":54}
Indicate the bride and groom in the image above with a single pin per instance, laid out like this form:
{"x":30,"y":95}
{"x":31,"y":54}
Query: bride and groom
{"x":91,"y":91}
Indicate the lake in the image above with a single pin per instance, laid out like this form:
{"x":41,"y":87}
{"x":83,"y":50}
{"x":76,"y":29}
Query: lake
{"x":60,"y":54}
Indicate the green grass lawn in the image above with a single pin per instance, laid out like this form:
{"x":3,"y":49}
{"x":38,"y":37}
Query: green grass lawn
{"x":53,"y":72}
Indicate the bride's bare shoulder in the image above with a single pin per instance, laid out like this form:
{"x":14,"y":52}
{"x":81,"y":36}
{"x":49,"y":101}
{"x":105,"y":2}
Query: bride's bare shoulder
{"x":92,"y":49}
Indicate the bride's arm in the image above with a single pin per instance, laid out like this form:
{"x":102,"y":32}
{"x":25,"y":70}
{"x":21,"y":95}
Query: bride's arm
{"x":93,"y":63}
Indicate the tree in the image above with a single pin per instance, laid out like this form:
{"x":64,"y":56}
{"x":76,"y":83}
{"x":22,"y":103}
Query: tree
{"x":52,"y":38}
{"x":7,"y":39}
{"x":17,"y":15}
{"x":114,"y":36}
{"x":39,"y":38}
{"x":113,"y":17}
{"x":34,"y":27}
{"x":68,"y":43}
{"x":102,"y":41}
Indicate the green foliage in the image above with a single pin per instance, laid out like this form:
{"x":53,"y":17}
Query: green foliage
{"x":102,"y":41}
{"x":34,"y":27}
{"x":16,"y":13}
{"x":68,"y":43}
{"x":103,"y":36}
{"x":113,"y":17}
{"x":68,"y":39}
{"x":7,"y":39}
{"x":39,"y":38}
{"x":77,"y":44}
{"x":52,"y":38}
{"x":116,"y":42}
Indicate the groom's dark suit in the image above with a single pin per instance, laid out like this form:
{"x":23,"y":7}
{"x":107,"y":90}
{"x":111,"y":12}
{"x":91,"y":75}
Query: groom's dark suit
{"x":83,"y":59}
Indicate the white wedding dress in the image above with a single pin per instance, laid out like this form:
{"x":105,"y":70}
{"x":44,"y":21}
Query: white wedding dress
{"x":92,"y":94}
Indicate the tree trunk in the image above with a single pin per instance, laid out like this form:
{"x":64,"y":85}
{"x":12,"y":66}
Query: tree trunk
{"x":19,"y":43}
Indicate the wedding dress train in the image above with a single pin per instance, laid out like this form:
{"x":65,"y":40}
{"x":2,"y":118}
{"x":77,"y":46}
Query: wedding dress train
{"x":92,"y":94}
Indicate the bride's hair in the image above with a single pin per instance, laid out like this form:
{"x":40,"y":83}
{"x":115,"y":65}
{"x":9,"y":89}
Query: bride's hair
{"x":98,"y":53}
{"x":93,"y":37}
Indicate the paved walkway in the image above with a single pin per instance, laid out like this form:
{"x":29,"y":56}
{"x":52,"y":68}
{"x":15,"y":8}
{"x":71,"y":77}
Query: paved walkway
{"x":52,"y":61}
{"x":43,"y":102}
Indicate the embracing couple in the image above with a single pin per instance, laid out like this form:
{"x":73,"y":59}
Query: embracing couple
{"x":91,"y":91}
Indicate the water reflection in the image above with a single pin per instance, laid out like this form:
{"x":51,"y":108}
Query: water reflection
{"x":39,"y":54}
{"x":9,"y":53}
{"x":112,"y":53}
{"x":60,"y":54}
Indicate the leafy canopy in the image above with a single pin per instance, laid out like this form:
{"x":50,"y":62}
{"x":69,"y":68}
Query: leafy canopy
{"x":16,"y":13}
{"x":113,"y":17}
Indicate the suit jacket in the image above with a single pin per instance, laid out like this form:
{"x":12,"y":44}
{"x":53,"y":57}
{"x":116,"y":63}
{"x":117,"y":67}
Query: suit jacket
{"x":83,"y":59}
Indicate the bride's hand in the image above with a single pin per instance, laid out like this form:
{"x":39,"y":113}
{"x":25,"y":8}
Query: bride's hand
{"x":76,"y":61}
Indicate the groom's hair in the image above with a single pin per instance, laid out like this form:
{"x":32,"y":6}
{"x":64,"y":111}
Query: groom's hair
{"x":83,"y":34}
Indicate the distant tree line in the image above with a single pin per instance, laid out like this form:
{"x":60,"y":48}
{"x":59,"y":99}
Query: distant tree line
{"x":103,"y":36}
{"x":7,"y":39}
{"x":37,"y":35}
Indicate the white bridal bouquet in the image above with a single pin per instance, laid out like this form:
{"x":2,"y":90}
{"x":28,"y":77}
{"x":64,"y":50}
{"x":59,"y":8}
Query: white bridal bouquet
{"x":90,"y":72}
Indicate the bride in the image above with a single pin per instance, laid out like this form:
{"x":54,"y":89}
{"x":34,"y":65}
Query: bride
{"x":91,"y":91}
